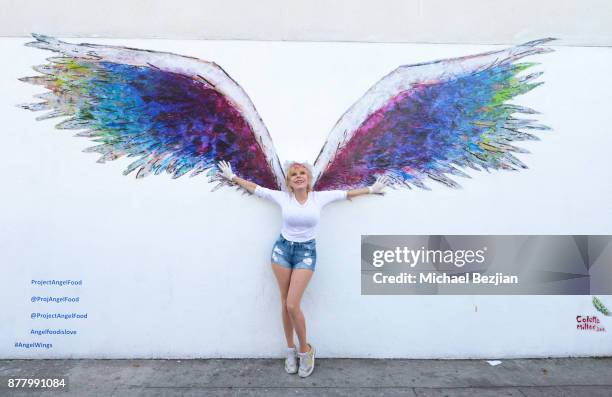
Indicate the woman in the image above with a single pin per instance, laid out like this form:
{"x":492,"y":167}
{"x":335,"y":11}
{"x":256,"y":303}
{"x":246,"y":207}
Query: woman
{"x":294,"y":254}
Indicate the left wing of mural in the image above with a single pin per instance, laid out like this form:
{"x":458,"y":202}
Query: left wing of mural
{"x":170,"y":112}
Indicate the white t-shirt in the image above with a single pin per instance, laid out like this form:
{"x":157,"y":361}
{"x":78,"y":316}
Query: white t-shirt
{"x":300,"y":221}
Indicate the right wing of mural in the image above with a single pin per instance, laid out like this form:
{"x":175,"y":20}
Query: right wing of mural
{"x":172,"y":113}
{"x":421,"y":121}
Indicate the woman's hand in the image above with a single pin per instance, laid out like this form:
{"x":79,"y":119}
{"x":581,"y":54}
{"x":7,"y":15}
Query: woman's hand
{"x":226,"y":170}
{"x":379,"y":186}
{"x":227,"y":173}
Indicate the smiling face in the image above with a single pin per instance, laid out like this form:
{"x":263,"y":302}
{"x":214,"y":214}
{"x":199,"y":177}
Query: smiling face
{"x":298,"y":177}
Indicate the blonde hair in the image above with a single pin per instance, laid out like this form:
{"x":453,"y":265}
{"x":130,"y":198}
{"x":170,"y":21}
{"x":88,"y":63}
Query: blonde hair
{"x":294,"y":165}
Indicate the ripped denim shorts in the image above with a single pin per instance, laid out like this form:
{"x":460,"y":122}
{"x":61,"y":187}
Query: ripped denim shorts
{"x":294,"y":255}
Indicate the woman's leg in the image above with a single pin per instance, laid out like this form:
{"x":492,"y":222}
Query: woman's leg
{"x":299,"y":282}
{"x":283,"y":277}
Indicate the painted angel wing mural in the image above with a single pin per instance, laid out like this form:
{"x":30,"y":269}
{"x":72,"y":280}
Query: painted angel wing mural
{"x":421,"y":121}
{"x":180,"y":114}
{"x":170,"y":112}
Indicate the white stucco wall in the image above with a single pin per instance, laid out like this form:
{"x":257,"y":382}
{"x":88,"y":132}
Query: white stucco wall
{"x":586,"y":23}
{"x":170,"y":269}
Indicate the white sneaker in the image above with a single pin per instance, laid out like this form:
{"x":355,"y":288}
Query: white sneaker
{"x":291,"y":360}
{"x":307,"y":361}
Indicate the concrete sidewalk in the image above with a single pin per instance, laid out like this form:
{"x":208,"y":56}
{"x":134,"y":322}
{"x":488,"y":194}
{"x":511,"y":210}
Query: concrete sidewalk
{"x":332,"y":377}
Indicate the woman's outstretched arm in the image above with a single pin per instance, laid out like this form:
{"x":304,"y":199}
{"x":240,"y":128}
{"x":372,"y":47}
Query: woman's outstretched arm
{"x":377,"y":188}
{"x":227,"y":173}
{"x":357,"y":192}
{"x":248,"y":185}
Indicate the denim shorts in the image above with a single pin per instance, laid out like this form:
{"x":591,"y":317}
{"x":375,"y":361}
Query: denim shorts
{"x":294,"y":255}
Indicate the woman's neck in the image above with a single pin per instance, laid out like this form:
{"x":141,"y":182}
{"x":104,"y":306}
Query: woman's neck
{"x":301,"y":195}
